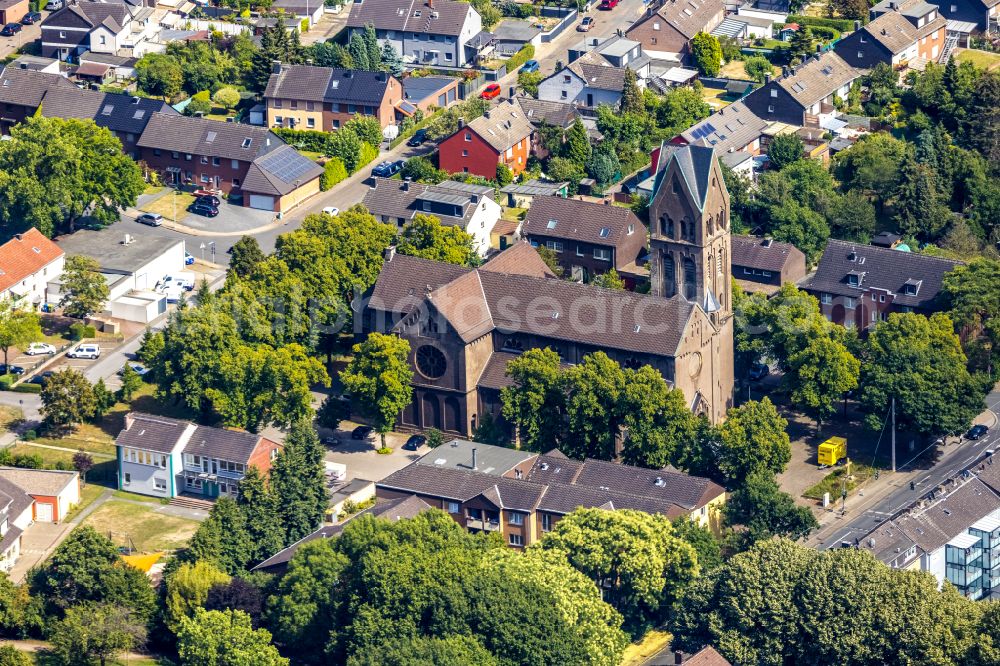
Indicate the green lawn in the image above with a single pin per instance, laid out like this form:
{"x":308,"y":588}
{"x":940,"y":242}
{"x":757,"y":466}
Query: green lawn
{"x":148,"y":530}
{"x":153,"y":189}
{"x":173,"y":206}
{"x":982,"y":59}
{"x":833,"y":482}
{"x":135,"y":497}
{"x":311,"y":154}
{"x":641,"y":651}
{"x":88,"y":494}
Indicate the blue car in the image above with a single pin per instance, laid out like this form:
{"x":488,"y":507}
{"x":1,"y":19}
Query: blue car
{"x":530,"y":67}
{"x":188,"y":259}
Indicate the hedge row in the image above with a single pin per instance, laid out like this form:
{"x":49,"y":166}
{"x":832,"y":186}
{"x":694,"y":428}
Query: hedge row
{"x":843,"y":25}
{"x":526,"y":53}
{"x":311,"y":140}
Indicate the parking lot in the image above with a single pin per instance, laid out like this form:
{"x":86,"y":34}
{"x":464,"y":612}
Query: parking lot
{"x":231,"y":218}
{"x":361,"y":458}
{"x":28,"y":34}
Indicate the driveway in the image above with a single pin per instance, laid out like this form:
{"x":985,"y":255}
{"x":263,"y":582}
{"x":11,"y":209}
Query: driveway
{"x":28,"y":34}
{"x":37,"y":542}
{"x":231,"y":219}
{"x":361,"y":459}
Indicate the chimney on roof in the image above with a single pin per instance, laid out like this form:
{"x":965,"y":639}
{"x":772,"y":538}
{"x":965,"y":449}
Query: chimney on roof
{"x":767,"y":79}
{"x":461,"y":123}
{"x":819,"y":48}
{"x":18,"y":236}
{"x":475,"y":462}
{"x":784,"y":70}
{"x":791,"y":70}
{"x":276,"y":67}
{"x":406,"y":185}
{"x":486,"y":115}
{"x":380,"y":76}
{"x":24,"y":65}
{"x":349,"y":74}
{"x":510,"y":94}
{"x":390,"y":252}
{"x":430,"y":3}
{"x":474,"y":198}
{"x":767,"y":242}
{"x":857,"y":26}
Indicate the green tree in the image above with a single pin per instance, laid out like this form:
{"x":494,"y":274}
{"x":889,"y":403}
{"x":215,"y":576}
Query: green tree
{"x":535,"y":402}
{"x":919,"y":362}
{"x":707,"y":53}
{"x":853,"y":217}
{"x":706,"y":545}
{"x":187,"y":590}
{"x":972,"y":294}
{"x":655,"y":417}
{"x":681,"y":108}
{"x":980,"y":128}
{"x":225,"y":638}
{"x":131,"y":382}
{"x":529,"y":82}
{"x":11,"y":656}
{"x":17,"y":327}
{"x":577,"y":147}
{"x":378,"y":377}
{"x":803,"y":43}
{"x":391,"y":60}
{"x":263,"y":521}
{"x":334,"y":172}
{"x":609,"y":280}
{"x":226,"y":97}
{"x":550,"y":259}
{"x":223,"y":540}
{"x":631,"y":95}
{"x":67,"y":399}
{"x":871,"y":166}
{"x":821,"y":372}
{"x":424,"y":236}
{"x":104,"y":400}
{"x":96,"y":632}
{"x":423,"y":650}
{"x":20,"y":612}
{"x":765,"y":511}
{"x":159,"y":74}
{"x":918,"y":207}
{"x":633,"y":556}
{"x":298,"y":482}
{"x":593,"y":391}
{"x":367,"y":128}
{"x":757,"y":68}
{"x":83,"y":462}
{"x":359,"y":52}
{"x":785,"y":149}
{"x":504,"y":176}
{"x":54,"y":170}
{"x":84,"y":288}
{"x":753,"y":439}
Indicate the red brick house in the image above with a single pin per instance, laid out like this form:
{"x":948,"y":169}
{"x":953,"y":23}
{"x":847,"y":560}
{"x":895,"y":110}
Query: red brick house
{"x":501,"y":136}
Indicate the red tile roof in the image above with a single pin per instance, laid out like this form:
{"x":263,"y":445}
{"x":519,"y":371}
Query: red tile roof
{"x":24,"y":255}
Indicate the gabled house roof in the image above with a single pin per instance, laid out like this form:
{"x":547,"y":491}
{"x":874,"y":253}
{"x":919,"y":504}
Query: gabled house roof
{"x":327,"y":84}
{"x":763,"y":253}
{"x":597,"y":73}
{"x":689,"y":17}
{"x":600,"y":224}
{"x":280,"y":171}
{"x":880,"y":268}
{"x":402,"y":199}
{"x":15,"y":500}
{"x":539,"y":111}
{"x":25,"y":254}
{"x":112,"y":15}
{"x":164,"y":435}
{"x":119,"y":113}
{"x":440,"y":17}
{"x":892,"y":31}
{"x":733,"y":127}
{"x":502,"y":127}
{"x":49,"y":482}
{"x":200,"y":136}
{"x":26,"y":87}
{"x":816,"y":79}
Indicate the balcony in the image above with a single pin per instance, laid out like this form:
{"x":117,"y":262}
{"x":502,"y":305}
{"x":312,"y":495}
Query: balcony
{"x":482,"y":525}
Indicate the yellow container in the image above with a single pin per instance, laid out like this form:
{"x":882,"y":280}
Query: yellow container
{"x":832,"y":450}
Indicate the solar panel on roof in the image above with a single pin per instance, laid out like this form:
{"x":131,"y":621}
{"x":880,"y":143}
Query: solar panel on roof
{"x":287,"y":165}
{"x":709,"y":127}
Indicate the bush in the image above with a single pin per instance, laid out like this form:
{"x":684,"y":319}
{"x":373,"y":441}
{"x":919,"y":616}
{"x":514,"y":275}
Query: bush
{"x":27,"y":388}
{"x":317,"y":142}
{"x":435,"y":438}
{"x":757,"y":67}
{"x":368,"y":153}
{"x":26,"y":461}
{"x":30,"y":435}
{"x":6,"y":458}
{"x":824,"y":33}
{"x":843,"y":25}
{"x":526,"y":53}
{"x":384,"y":451}
{"x":79,"y":331}
{"x":200,"y":103}
{"x":6,"y":381}
{"x":227,"y":97}
{"x":334,"y":171}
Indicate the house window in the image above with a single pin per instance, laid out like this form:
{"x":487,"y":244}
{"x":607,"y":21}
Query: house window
{"x":468,"y":136}
{"x":447,"y":56}
{"x":216,"y":161}
{"x":277,"y":103}
{"x":128,"y":478}
{"x":770,"y":108}
{"x":546,"y":522}
{"x":426,"y":205}
{"x":188,"y":157}
{"x":516,"y":540}
{"x":515,"y":518}
{"x":453,"y":507}
{"x":579,"y":250}
{"x":352,"y":108}
{"x":310,"y":106}
{"x":849,"y":303}
{"x":563,"y":94}
{"x":161,"y":484}
{"x":236,"y":182}
{"x":774,"y":92}
{"x":175,"y":155}
{"x":235,"y":164}
{"x":204,"y":159}
{"x":861,"y":54}
{"x":104,"y":40}
{"x":311,"y":123}
{"x":826,"y":299}
{"x":335,"y":124}
{"x":465,"y":153}
{"x":566,"y":78}
{"x":295,"y":104}
{"x":555,"y":246}
{"x":279,"y":121}
{"x":881,"y":298}
{"x":62,"y":35}
{"x":602,"y":253}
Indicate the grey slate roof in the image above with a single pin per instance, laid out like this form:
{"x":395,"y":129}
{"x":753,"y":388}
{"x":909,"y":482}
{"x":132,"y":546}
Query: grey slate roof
{"x":597,"y":73}
{"x":817,"y":79}
{"x":151,"y":433}
{"x":231,"y":445}
{"x":411,"y":16}
{"x":398,"y":199}
{"x":326,"y":84}
{"x":490,"y":460}
{"x":280,"y":171}
{"x":882,"y":268}
{"x":26,"y":87}
{"x":19,"y":498}
{"x":768,"y":255}
{"x":119,"y":113}
{"x":502,"y":126}
{"x":200,"y":136}
{"x":403,"y":281}
{"x":695,"y":165}
{"x":160,"y":434}
{"x":690,"y":17}
{"x":892,"y":31}
{"x":600,"y":224}
{"x":538,"y":111}
{"x":733,"y":127}
{"x":114,"y":15}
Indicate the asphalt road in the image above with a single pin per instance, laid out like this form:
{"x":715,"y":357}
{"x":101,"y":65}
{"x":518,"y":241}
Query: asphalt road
{"x":953,"y":460}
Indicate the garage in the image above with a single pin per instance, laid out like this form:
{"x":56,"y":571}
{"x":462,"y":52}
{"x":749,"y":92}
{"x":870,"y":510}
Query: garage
{"x":54,"y":491}
{"x":262,"y":201}
{"x":44,"y":512}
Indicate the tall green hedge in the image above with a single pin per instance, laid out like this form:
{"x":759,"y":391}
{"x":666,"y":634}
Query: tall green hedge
{"x":312,"y":140}
{"x":334,"y":172}
{"x":526,"y":53}
{"x":843,"y":25}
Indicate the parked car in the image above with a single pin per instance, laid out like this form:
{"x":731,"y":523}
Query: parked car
{"x":414,"y":442}
{"x":362,"y":432}
{"x":11,"y":369}
{"x":31,"y":17}
{"x":332,"y":211}
{"x":150,"y":219}
{"x":418,"y":138}
{"x":188,"y":258}
{"x":207,"y":192}
{"x":387,"y":169}
{"x":491,"y":91}
{"x":759,"y":371}
{"x":205,"y":209}
{"x":209,"y":199}
{"x":608,"y":5}
{"x":53,"y":5}
{"x":10,"y":29}
{"x":36,"y":348}
{"x":977,"y":432}
{"x":586,"y":24}
{"x":87,"y":350}
{"x":138,"y":368}
{"x":530,"y":67}
{"x":41,"y":377}
{"x":329,"y":440}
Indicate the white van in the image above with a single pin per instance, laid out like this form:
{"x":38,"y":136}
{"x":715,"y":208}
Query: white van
{"x":88,"y":350}
{"x":183,"y":279}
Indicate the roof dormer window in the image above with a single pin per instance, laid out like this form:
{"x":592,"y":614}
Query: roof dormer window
{"x":912,"y":287}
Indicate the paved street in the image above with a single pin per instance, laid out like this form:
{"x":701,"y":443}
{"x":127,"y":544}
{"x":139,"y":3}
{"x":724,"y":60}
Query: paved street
{"x":865,"y":512}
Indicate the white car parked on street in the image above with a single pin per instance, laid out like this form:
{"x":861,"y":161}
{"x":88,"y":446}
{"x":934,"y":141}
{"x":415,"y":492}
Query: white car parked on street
{"x":36,"y":348}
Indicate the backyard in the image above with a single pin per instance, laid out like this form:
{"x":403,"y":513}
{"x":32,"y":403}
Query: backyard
{"x":149,"y":529}
{"x":982,"y":59}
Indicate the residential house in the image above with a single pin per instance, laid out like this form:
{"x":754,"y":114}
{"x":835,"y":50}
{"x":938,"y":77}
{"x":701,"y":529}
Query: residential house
{"x":164,"y":457}
{"x":598,"y":76}
{"x":954,"y":535}
{"x":16,"y":511}
{"x":54,"y":491}
{"x":470,"y":207}
{"x":117,"y":28}
{"x":805,"y":94}
{"x":118,"y":67}
{"x":21,"y":92}
{"x":464,"y":325}
{"x":521,"y":195}
{"x":860,"y":285}
{"x":400,"y":508}
{"x":12,"y":11}
{"x":896,"y":39}
{"x":35,"y":64}
{"x":512,"y":35}
{"x":423,"y":32}
{"x":426,"y":93}
{"x":964,"y":17}
{"x":763,"y":264}
{"x":540,"y":113}
{"x":280,"y":180}
{"x":502,"y":135}
{"x":523,"y":495}
{"x":323,"y":98}
{"x":732,"y":129}
{"x":300,"y":9}
{"x":27,"y":262}
{"x":588,"y":238}
{"x":196,"y":151}
{"x":666,"y":30}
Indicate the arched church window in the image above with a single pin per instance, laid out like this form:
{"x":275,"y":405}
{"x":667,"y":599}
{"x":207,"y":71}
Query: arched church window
{"x":669,"y":275}
{"x":691,"y":235}
{"x":431,"y":362}
{"x":690,"y":273}
{"x":710,"y":225}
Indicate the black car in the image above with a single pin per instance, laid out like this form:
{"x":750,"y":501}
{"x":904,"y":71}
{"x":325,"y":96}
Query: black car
{"x":11,"y":369}
{"x":414,"y":442}
{"x":387,"y":169}
{"x":418,"y":138}
{"x":199,"y":208}
{"x":10,"y":29}
{"x":31,"y":17}
{"x":759,"y":371}
{"x":976,"y":432}
{"x":209,"y":199}
{"x":329,"y":440}
{"x":361,"y":432}
{"x":41,"y":377}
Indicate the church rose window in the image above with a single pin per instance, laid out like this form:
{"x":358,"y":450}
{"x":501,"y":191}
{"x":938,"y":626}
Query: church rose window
{"x":431,"y":362}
